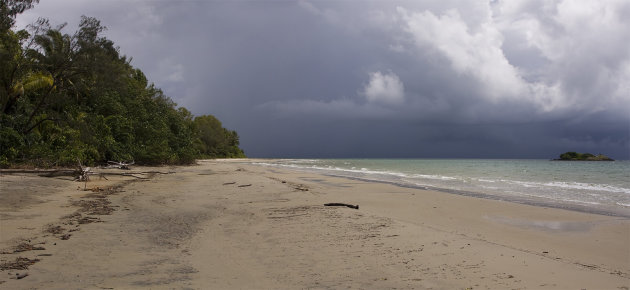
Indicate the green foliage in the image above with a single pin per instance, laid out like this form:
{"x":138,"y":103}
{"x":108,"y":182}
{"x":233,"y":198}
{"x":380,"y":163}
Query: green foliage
{"x":574,"y":156}
{"x":569,"y":156}
{"x":70,"y":97}
{"x":10,"y":8}
{"x":214,"y":140}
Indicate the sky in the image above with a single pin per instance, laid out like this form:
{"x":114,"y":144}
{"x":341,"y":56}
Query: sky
{"x":385,"y":79}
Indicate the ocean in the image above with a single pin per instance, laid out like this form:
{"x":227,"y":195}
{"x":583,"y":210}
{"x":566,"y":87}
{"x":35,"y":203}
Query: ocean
{"x":596,"y":187}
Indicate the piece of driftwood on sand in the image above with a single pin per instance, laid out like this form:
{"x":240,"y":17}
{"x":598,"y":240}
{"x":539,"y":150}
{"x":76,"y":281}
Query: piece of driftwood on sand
{"x":342,"y":204}
{"x":82,"y":173}
{"x":119,"y":164}
{"x":75,"y":173}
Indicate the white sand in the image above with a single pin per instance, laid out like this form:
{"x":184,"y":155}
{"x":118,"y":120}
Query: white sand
{"x":206,"y":227}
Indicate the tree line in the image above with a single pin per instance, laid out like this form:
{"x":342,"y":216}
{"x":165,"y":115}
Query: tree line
{"x":68,"y":97}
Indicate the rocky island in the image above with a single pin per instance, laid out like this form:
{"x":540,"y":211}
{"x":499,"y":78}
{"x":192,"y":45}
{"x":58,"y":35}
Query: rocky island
{"x":574,"y":156}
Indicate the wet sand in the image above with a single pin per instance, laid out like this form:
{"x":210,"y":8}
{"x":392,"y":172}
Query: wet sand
{"x":229,"y":225}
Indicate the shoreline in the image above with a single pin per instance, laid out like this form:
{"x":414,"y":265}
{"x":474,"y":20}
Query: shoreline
{"x":513,"y":199}
{"x":234,"y":225}
{"x":617,"y":210}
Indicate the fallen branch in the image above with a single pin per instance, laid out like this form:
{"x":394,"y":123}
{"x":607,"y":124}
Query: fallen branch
{"x":119,"y":164}
{"x":77,"y":173}
{"x":156,"y":172}
{"x":129,"y":173}
{"x":43,"y":172}
{"x":342,"y":204}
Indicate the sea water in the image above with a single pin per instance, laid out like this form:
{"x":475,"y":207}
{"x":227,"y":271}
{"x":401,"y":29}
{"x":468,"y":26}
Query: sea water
{"x":599,"y":187}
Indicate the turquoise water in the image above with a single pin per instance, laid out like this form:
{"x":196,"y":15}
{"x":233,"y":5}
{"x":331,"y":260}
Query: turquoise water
{"x":601,"y":187}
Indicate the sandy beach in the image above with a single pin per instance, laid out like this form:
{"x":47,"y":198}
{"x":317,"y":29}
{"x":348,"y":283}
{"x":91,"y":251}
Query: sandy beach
{"x":224,"y":224}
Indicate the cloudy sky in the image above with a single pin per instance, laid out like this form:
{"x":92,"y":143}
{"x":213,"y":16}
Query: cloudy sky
{"x":347,"y":78}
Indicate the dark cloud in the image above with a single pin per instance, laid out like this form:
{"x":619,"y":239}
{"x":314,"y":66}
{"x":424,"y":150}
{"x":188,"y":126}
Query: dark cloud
{"x":386,"y":78}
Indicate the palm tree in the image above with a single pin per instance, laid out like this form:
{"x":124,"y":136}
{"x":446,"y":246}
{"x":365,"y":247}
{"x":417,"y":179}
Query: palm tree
{"x":55,"y":58}
{"x":31,"y":82}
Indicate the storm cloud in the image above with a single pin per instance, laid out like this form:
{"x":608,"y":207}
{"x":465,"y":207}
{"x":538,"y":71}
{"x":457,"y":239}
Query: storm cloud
{"x":498,"y":79}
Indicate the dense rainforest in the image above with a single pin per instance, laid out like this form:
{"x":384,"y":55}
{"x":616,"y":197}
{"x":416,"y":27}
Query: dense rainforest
{"x":68,"y":97}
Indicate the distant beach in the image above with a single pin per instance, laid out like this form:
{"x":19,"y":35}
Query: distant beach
{"x":262,"y":224}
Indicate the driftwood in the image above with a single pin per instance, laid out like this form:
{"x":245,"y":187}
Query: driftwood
{"x":84,"y":174}
{"x":342,"y":204}
{"x":119,"y":164}
{"x":41,"y":172}
{"x":245,"y":185}
{"x":79,"y":174}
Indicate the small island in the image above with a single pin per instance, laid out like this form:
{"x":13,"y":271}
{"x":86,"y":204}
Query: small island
{"x":574,"y":156}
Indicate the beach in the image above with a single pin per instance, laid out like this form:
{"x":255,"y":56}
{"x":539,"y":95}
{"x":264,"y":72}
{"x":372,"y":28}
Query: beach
{"x":228,"y":224}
